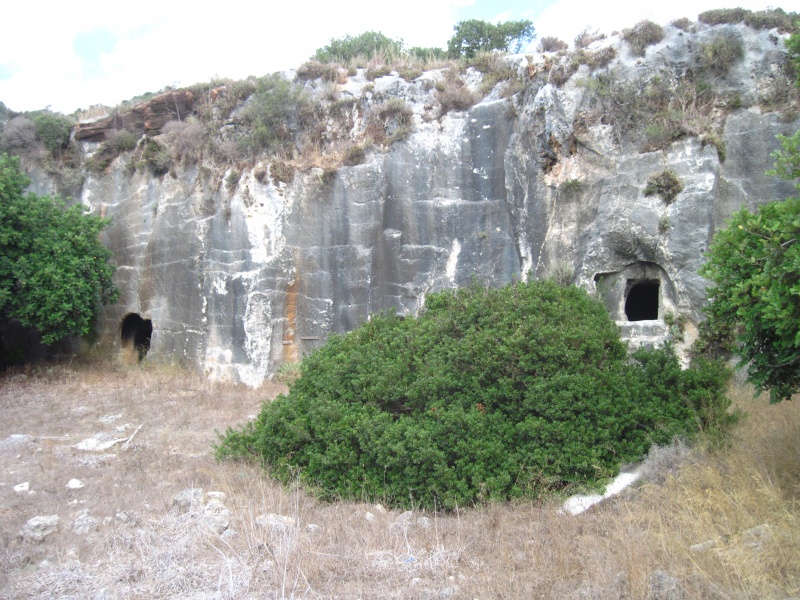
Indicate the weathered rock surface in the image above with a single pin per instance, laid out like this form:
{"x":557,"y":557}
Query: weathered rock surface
{"x":38,"y":528}
{"x":237,"y":280}
{"x":148,"y":117}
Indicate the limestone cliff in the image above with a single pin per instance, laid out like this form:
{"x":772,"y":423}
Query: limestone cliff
{"x":238,"y":276}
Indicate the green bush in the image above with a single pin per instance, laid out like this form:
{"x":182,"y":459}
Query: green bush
{"x":487,"y":395}
{"x":719,"y":55}
{"x":719,"y":16}
{"x":53,"y":130}
{"x":272,"y":115}
{"x":666,"y":184}
{"x":474,"y":36}
{"x":642,"y":35}
{"x":366,"y":45}
{"x":54,"y":272}
{"x":155,"y":157}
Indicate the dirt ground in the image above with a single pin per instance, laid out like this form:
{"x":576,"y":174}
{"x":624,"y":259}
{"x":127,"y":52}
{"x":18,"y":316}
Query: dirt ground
{"x":107,"y":450}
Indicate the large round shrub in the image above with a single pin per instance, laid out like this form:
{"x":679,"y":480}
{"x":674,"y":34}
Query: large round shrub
{"x":488,"y":394}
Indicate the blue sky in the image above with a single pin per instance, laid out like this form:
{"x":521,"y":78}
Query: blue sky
{"x":71,"y":54}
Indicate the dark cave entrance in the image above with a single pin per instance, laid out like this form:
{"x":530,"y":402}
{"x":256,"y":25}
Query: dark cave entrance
{"x":135,"y":335}
{"x":641,"y":301}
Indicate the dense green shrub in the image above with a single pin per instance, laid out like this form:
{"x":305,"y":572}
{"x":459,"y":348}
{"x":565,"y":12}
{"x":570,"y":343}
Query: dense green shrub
{"x":53,"y":130}
{"x":754,"y":267}
{"x":719,"y":55}
{"x":474,"y":36}
{"x":366,"y":45}
{"x":487,"y":395}
{"x":54,"y":272}
{"x":643,"y":34}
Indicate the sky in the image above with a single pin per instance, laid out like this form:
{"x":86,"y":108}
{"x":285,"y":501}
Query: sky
{"x":71,"y":54}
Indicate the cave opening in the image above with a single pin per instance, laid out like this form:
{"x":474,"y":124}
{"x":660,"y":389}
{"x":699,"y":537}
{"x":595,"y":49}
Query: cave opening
{"x":135,"y":335}
{"x":641,"y":302}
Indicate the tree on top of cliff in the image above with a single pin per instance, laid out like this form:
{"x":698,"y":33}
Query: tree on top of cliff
{"x":474,"y":36}
{"x":754,"y":266}
{"x":366,"y":45}
{"x":54,"y":272}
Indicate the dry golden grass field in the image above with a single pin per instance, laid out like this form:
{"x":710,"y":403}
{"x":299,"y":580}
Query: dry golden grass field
{"x":701,"y":523}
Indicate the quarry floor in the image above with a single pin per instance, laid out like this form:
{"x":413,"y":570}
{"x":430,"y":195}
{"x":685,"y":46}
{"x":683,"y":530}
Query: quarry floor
{"x":107,"y":449}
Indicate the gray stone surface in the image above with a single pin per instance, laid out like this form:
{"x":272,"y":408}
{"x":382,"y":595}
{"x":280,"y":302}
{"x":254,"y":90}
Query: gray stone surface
{"x":38,"y":528}
{"x":237,"y":282}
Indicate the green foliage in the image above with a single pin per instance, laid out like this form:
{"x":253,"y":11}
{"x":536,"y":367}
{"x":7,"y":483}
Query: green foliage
{"x":155,"y":156}
{"x":54,"y":273}
{"x":719,"y":55}
{"x":666,"y":184}
{"x":366,"y":45}
{"x":272,"y":115}
{"x":475,"y":36}
{"x":53,"y":130}
{"x":431,"y":54}
{"x":652,"y":111}
{"x":487,"y":395}
{"x":754,"y":268}
{"x":317,"y":70}
{"x":793,"y":47}
{"x":642,"y":35}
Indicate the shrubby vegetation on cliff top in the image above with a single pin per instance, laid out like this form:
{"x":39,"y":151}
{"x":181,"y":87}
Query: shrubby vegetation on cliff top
{"x":487,"y":395}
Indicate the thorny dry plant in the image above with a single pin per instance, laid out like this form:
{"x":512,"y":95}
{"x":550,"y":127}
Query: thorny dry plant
{"x":740,"y":504}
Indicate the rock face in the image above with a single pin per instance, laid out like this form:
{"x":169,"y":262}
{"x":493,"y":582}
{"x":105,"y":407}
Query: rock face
{"x":237,"y":280}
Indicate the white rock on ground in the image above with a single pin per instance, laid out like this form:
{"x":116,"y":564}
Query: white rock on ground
{"x":74,"y":484}
{"x":189,"y":499}
{"x":277,"y":523}
{"x":38,"y":528}
{"x":83,"y":522}
{"x":215,"y":516}
{"x":22,"y":488}
{"x":577,"y":504}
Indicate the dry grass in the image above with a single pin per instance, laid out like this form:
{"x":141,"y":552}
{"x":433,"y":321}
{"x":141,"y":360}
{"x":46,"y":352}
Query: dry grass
{"x":143,"y":547}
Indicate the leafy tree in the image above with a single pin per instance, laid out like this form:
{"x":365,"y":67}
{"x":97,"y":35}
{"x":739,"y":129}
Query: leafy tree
{"x":754,"y":266}
{"x":475,"y":36}
{"x":53,"y":130}
{"x":367,"y":45}
{"x":487,"y":395}
{"x":54,"y":272}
